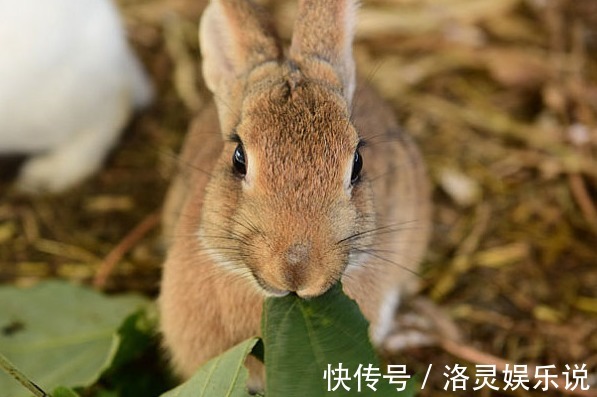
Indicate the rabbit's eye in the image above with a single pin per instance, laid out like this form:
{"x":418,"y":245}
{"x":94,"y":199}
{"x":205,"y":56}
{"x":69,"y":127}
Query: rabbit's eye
{"x":357,"y":166}
{"x":238,"y":160}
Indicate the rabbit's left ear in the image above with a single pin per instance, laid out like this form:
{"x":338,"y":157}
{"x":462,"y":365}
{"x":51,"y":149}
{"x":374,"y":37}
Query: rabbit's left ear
{"x":235,"y":37}
{"x":324,"y":31}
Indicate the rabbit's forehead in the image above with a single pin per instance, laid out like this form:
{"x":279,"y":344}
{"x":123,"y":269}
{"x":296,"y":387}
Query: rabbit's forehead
{"x":310,"y":119}
{"x":302,"y":135}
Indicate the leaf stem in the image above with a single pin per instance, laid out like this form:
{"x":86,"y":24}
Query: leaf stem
{"x":11,"y":370}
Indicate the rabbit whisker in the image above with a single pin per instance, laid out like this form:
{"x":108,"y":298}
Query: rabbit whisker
{"x":386,"y":260}
{"x":392,"y":228}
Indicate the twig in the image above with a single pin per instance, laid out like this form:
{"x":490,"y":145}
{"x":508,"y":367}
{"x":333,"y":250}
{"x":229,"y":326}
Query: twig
{"x":185,"y":69}
{"x":583,"y":199}
{"x":123,"y":247}
{"x":11,"y":370}
{"x":462,"y":259}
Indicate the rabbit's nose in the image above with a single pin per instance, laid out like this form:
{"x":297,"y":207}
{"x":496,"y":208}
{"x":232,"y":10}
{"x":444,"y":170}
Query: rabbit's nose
{"x":298,"y":254}
{"x":296,"y":257}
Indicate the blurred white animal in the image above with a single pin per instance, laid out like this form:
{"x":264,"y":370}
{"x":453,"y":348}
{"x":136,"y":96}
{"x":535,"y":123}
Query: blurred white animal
{"x":68,"y":84}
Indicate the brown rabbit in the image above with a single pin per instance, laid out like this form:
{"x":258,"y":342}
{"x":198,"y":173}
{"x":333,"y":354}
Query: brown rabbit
{"x":293,"y":181}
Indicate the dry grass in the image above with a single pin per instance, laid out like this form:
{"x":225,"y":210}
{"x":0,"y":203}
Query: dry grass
{"x":502,"y":97}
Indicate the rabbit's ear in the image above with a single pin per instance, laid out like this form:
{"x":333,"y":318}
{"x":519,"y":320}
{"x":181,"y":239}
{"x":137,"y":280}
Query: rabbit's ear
{"x":324,"y":31}
{"x":235,"y":36}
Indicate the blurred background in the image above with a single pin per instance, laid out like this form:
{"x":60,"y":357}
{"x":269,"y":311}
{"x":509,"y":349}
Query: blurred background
{"x":501,"y":96}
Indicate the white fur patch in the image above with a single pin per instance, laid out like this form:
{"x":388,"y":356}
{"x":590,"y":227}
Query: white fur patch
{"x":386,"y":314}
{"x":64,"y":98}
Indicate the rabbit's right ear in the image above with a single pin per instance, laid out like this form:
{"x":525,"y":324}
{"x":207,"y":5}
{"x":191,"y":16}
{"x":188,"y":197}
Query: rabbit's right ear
{"x":323,"y":35}
{"x":235,"y":37}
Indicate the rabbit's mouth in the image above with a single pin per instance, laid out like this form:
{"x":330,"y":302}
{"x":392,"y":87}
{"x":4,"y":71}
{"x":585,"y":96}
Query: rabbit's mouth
{"x":305,"y":292}
{"x":268,"y":290}
{"x":275,"y":292}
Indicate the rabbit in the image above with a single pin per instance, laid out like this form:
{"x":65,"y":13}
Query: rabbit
{"x":68,"y":84}
{"x":296,"y":177}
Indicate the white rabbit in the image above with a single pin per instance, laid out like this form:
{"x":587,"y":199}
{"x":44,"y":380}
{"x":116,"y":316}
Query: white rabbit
{"x":68,"y":85}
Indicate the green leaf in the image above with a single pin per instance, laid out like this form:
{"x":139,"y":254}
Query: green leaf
{"x":137,"y":333}
{"x":59,"y":334}
{"x":223,"y":376}
{"x":110,"y":393}
{"x":139,"y":368}
{"x":10,"y":369}
{"x":64,"y":392}
{"x":302,"y":337}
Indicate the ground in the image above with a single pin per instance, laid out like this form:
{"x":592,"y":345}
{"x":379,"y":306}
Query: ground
{"x":501,"y":96}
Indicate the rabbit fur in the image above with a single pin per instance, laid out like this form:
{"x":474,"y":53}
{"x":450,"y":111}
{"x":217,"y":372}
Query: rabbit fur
{"x":68,"y":85}
{"x":296,"y":221}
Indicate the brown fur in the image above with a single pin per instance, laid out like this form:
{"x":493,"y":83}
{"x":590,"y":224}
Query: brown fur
{"x":287,"y":225}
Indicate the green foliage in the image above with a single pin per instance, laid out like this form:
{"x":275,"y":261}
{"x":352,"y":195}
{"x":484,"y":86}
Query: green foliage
{"x":300,"y":339}
{"x":224,"y":376}
{"x":65,"y":336}
{"x":60,"y":334}
{"x":304,"y":339}
{"x":64,"y":392}
{"x":137,"y":368}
